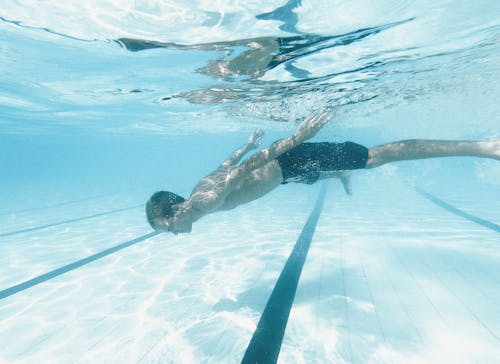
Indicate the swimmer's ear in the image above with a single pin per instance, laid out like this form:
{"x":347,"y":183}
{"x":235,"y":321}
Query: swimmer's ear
{"x":345,"y":178}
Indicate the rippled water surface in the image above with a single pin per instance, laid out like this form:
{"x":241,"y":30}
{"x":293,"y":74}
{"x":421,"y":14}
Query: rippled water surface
{"x":157,"y":66}
{"x":103,"y":103}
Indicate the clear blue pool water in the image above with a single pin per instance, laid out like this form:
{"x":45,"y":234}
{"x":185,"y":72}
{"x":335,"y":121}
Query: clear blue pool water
{"x":103,"y":103}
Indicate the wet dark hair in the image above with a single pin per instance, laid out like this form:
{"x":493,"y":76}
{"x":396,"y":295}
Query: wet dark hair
{"x":160,"y":205}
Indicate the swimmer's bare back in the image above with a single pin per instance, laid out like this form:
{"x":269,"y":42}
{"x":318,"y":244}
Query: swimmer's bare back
{"x":210,"y":192}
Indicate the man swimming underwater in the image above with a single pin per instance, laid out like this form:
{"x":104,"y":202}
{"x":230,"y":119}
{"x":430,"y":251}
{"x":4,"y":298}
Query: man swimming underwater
{"x":291,"y":160}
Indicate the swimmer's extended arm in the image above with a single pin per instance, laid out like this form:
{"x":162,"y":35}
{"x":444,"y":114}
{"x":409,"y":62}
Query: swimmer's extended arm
{"x":305,"y":131}
{"x":210,"y":191}
{"x":253,"y":143}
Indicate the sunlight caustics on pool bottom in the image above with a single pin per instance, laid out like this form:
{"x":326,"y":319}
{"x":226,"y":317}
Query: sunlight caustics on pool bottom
{"x":68,"y":221}
{"x":313,"y":264}
{"x":104,"y":103}
{"x":69,"y":267}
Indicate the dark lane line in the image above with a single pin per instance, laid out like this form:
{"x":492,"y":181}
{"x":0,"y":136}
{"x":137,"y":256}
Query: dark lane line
{"x":265,"y":345}
{"x":68,"y":221}
{"x":72,"y":266}
{"x":29,"y":209}
{"x":77,"y":201}
{"x":458,"y":212}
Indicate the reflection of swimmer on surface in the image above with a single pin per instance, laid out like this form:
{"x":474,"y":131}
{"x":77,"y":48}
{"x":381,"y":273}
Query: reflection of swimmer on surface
{"x":252,"y":58}
{"x":291,"y":160}
{"x":259,"y":56}
{"x":263,"y":53}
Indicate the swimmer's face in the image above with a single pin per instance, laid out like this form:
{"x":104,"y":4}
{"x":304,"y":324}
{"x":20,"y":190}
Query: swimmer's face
{"x":173,"y":224}
{"x":163,"y":224}
{"x":161,"y":210}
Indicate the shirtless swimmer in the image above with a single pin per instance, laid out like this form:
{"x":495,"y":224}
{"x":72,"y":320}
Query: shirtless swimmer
{"x":292,"y":160}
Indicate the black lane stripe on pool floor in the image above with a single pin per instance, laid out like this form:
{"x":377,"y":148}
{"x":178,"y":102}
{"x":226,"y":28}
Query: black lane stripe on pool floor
{"x":59,"y":204}
{"x":67,"y":221}
{"x":71,"y":202}
{"x":458,"y":212}
{"x":265,"y":345}
{"x":72,"y":266}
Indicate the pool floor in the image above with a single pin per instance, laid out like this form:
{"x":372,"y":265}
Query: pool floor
{"x":390,"y":278}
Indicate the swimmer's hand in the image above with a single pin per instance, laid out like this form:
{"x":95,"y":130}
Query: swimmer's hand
{"x":312,"y":125}
{"x":255,"y":139}
{"x":181,"y":222}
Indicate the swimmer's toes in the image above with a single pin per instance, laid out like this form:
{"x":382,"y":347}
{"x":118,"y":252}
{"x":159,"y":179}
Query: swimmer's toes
{"x":491,"y":148}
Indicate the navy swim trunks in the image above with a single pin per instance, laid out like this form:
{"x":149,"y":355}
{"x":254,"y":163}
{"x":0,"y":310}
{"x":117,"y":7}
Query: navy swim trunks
{"x":305,"y":162}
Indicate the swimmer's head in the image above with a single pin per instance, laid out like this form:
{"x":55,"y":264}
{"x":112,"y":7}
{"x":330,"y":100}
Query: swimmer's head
{"x":159,"y":209}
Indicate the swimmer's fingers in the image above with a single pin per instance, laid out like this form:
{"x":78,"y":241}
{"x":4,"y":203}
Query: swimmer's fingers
{"x":260,"y":135}
{"x":256,"y":138}
{"x":321,"y":120}
{"x":312,"y":125}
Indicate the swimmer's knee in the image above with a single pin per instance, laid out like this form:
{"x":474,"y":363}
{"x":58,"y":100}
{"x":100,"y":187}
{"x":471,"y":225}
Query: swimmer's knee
{"x":374,"y":158}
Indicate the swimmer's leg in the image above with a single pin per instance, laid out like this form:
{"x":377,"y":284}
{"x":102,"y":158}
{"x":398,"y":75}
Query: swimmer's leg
{"x":421,"y":149}
{"x":344,"y":176}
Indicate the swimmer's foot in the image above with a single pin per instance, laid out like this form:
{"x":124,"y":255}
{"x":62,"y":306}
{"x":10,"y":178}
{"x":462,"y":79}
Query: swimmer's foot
{"x":490,"y":148}
{"x":345,"y":178}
